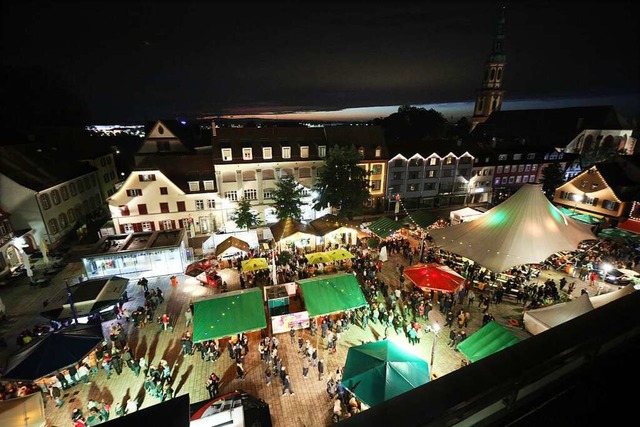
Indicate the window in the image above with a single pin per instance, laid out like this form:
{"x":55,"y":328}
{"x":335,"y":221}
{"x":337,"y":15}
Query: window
{"x":164,"y":207}
{"x":502,"y":157}
{"x":146,"y":177}
{"x":378,"y":152}
{"x":433,"y":161}
{"x":64,"y":192}
{"x":414,"y":175}
{"x":226,"y":155}
{"x":376,"y":169}
{"x":304,"y":173}
{"x":376,"y":185}
{"x":534,"y":168}
{"x":80,"y":186}
{"x":415,"y":162}
{"x":142,"y":209}
{"x":53,"y":226}
{"x":286,"y":172}
{"x":504,"y":179}
{"x":194,"y":185}
{"x":231,"y":195}
{"x":322,"y":151}
{"x":62,"y":218}
{"x":499,"y":169}
{"x":448,"y":161}
{"x":447,"y":173}
{"x":208,"y":185}
{"x":512,"y":179}
{"x":432,"y":174}
{"x":105,"y":178}
{"x":71,"y":214}
{"x":249,"y":175}
{"x":429,"y":186}
{"x":251,"y":194}
{"x":128,"y":228}
{"x":247,"y":153}
{"x":112,"y":174}
{"x":268,"y":174}
{"x":507,"y":169}
{"x":532,"y":178}
{"x":55,"y":197}
{"x":527,"y":168}
{"x":199,"y":205}
{"x":497,"y":181}
{"x":413,"y":187}
{"x":398,"y":163}
{"x":133,"y":192}
{"x":147,"y":226}
{"x":396,"y":176}
{"x":211,"y":204}
{"x":286,"y":152}
{"x":268,"y":193}
{"x":609,"y":205}
{"x":72,"y":189}
{"x":525,"y":179}
{"x":167,"y":224}
{"x":229,"y":177}
{"x":181,"y":206}
{"x":520,"y":168}
{"x":163,"y":146}
{"x":267,"y":152}
{"x":531,"y":156}
{"x":164,"y":190}
{"x":304,"y":152}
{"x":518,"y":179}
{"x":44,"y":201}
{"x":517,"y":156}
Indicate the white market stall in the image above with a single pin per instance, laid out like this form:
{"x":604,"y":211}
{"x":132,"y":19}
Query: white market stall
{"x":464,"y":215}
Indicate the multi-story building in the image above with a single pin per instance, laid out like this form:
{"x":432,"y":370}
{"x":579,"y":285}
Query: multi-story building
{"x":102,"y":158}
{"x":47,"y":192}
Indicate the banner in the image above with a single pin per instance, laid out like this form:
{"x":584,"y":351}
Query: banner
{"x":284,"y":323}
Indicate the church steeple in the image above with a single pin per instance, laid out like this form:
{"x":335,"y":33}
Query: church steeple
{"x":489,"y":98}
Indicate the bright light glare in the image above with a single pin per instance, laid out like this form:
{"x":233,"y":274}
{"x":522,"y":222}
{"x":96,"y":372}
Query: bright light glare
{"x":607,"y":267}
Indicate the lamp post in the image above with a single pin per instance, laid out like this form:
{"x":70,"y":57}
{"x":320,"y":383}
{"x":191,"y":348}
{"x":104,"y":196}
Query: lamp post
{"x":436,"y":330}
{"x":577,"y":198}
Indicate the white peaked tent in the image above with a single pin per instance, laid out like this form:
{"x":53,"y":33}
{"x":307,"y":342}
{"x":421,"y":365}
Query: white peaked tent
{"x":25,"y":411}
{"x":524,"y":229}
{"x":464,"y":215}
{"x":600,"y":300}
{"x":541,"y":319}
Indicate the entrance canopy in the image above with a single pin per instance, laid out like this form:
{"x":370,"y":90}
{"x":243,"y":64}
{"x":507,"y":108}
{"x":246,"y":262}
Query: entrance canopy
{"x":384,"y":227}
{"x":435,"y":277}
{"x":232,"y":244}
{"x":489,"y":339}
{"x":49,"y":353}
{"x":88,"y":297}
{"x":524,"y":229}
{"x":228,"y":314}
{"x":331,"y":294}
{"x":541,"y":319}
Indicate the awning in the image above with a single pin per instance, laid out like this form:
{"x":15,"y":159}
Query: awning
{"x":331,"y":294}
{"x":487,"y":340}
{"x":228,"y":314}
{"x":231,"y":243}
{"x":88,"y":298}
{"x":384,"y":227}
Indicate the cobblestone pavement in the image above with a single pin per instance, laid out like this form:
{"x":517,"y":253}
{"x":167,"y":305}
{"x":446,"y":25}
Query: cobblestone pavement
{"x":310,"y":406}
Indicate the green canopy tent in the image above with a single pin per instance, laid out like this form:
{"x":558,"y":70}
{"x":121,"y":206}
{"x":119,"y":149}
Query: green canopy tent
{"x":228,"y":314}
{"x":420,"y":218}
{"x":587,"y":219}
{"x":331,"y":294}
{"x":381,"y":370}
{"x":384,"y":227}
{"x":489,"y":339}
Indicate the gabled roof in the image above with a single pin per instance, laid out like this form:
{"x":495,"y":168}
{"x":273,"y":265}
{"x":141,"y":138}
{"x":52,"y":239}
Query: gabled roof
{"x":622,"y":174}
{"x":288,"y":227}
{"x":328,"y":223}
{"x":38,"y":168}
{"x":367,"y":137}
{"x":555,"y":127}
{"x":191,"y":134}
{"x":426,"y":148}
{"x":182,"y":168}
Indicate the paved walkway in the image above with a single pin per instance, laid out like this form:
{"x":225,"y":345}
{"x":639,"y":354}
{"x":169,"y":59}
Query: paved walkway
{"x":310,"y":406}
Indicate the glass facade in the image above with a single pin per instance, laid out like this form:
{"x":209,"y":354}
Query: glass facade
{"x":153,"y":262}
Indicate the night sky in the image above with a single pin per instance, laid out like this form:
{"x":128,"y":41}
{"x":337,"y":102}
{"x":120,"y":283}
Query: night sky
{"x":164,"y":60}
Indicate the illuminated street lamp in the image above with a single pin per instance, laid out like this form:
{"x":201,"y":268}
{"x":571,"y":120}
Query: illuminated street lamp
{"x":606,"y":267}
{"x":436,"y":329}
{"x":577,"y":198}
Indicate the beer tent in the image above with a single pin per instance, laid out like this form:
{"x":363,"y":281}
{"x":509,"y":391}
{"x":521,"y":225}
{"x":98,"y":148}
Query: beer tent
{"x":331,"y":293}
{"x":541,"y":319}
{"x":228,"y":314}
{"x":487,"y":340}
{"x":230,"y":244}
{"x":524,"y":229}
{"x":384,"y":227}
{"x":25,"y":411}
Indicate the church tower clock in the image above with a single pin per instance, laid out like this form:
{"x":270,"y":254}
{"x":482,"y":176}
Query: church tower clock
{"x":489,"y":98}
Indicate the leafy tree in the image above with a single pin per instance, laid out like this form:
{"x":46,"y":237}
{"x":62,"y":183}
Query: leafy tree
{"x":288,"y":195}
{"x":551,"y":179}
{"x":341,"y":183}
{"x":599,"y":154}
{"x":413,"y":123}
{"x":243,"y":216}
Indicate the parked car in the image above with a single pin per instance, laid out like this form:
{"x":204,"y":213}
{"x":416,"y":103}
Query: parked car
{"x":617,"y":277}
{"x":633,"y":275}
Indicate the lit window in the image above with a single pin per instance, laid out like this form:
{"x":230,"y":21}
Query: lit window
{"x":247,"y":154}
{"x":199,"y":205}
{"x":518,"y":179}
{"x":208,"y":185}
{"x":194,"y":185}
{"x":433,"y":161}
{"x":376,"y":185}
{"x":502,"y":157}
{"x":251,"y":194}
{"x":211,"y":204}
{"x":448,"y":160}
{"x":286,"y":152}
{"x":231,"y":195}
{"x":376,"y":169}
{"x":267,"y":152}
{"x":226,"y":154}
{"x":268,"y":193}
{"x":146,"y":177}
{"x":517,"y":156}
{"x":304,"y":152}
{"x":527,"y":168}
{"x":507,"y":169}
{"x":532,"y":178}
{"x":322,"y":151}
{"x":431,"y":174}
{"x":378,"y":152}
{"x":147,"y":226}
{"x":133,"y":192}
{"x":525,"y":179}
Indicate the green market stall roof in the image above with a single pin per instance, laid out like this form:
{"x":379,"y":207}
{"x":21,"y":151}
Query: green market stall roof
{"x":420,"y":218}
{"x":384,"y":227}
{"x":489,"y":339}
{"x":331,"y":294}
{"x":228,"y":314}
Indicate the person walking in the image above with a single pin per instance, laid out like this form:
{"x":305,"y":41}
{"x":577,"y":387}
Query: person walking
{"x":188,"y":315}
{"x":305,"y":367}
{"x":267,"y":374}
{"x":240,"y":369}
{"x":320,"y":369}
{"x":56,"y":394}
{"x":286,"y":386}
{"x":472,"y":296}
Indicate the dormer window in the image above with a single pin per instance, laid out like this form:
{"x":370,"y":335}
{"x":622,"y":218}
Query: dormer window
{"x":304,"y":152}
{"x":146,"y":177}
{"x":322,"y":151}
{"x":361,"y":151}
{"x":286,"y":152}
{"x":267,"y":152}
{"x":378,"y":152}
{"x":247,"y":153}
{"x":194,"y":185}
{"x":226,"y":155}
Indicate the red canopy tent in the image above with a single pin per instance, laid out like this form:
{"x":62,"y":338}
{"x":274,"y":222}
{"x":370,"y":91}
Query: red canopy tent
{"x":435,"y":277}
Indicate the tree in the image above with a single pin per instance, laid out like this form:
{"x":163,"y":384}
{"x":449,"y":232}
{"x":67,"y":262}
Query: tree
{"x":341,"y":183}
{"x":551,"y":179}
{"x":243,"y":216}
{"x":413,"y":123}
{"x":288,"y":195}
